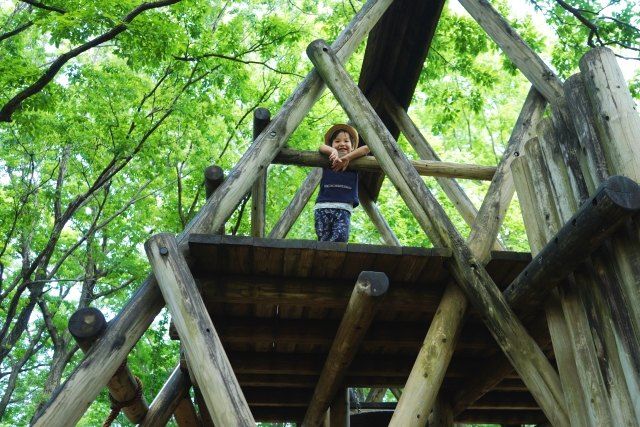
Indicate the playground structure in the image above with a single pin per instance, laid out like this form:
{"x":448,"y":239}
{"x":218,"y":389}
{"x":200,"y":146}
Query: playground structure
{"x":275,"y":329}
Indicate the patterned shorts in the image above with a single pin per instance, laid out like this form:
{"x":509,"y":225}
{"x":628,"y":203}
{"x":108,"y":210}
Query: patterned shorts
{"x":332,"y":225}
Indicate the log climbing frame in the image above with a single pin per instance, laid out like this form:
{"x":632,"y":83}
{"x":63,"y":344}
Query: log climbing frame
{"x":278,"y":330}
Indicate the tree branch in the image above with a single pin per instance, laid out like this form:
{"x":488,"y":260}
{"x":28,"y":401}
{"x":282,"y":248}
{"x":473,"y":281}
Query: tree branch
{"x":43,"y":6}
{"x":14,"y":103}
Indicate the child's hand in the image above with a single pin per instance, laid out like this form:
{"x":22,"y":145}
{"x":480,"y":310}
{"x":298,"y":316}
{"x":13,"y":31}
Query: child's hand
{"x":340,"y":165}
{"x":334,"y":156}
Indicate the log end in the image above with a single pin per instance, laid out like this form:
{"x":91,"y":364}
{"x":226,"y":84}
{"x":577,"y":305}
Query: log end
{"x":214,"y":173}
{"x":622,"y":191}
{"x":317,"y":46}
{"x":375,"y":284}
{"x":87,"y":324}
{"x":261,"y":114}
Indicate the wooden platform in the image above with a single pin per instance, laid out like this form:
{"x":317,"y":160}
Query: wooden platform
{"x":276,"y":305}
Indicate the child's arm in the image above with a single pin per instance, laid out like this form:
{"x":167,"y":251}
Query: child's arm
{"x":342,"y":162}
{"x":331,"y":152}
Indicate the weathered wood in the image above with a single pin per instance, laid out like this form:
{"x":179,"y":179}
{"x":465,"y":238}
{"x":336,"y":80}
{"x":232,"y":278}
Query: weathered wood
{"x":339,"y":410}
{"x":88,"y":324}
{"x":617,"y":120}
{"x":442,"y":415}
{"x":206,"y":356}
{"x":450,"y":186}
{"x":603,"y":292}
{"x":614,"y":202}
{"x":370,"y":207}
{"x":592,"y":160}
{"x":261,"y":118}
{"x":72,"y":398}
{"x":297,"y":204}
{"x":516,"y":49}
{"x":174,"y":390}
{"x":205,"y":416}
{"x":541,"y":222}
{"x":545,"y":191}
{"x":185,"y":413}
{"x":439,"y":344}
{"x":523,"y":352}
{"x":367,"y":294}
{"x":369,"y":163}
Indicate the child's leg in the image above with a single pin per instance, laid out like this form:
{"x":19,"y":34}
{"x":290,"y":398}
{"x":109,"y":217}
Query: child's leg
{"x":341,"y":225}
{"x":323,"y":221}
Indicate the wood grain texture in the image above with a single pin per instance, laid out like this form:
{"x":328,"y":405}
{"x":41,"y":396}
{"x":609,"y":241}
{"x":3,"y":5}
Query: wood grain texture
{"x":207,"y":359}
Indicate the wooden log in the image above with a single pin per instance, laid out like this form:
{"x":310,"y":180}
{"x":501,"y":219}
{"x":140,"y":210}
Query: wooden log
{"x":608,"y":320}
{"x":516,"y":49}
{"x":339,"y":410}
{"x":185,"y":414}
{"x":442,"y":415}
{"x":261,"y":118}
{"x":174,"y":390}
{"x":206,"y":356}
{"x":432,"y":361}
{"x":88,"y":324}
{"x":617,"y":123}
{"x":591,"y":154}
{"x":72,"y":398}
{"x":615,"y":201}
{"x":541,"y":187}
{"x":205,"y":416}
{"x":367,"y":294}
{"x":297,"y":204}
{"x":450,"y":186}
{"x":370,"y":207}
{"x":617,"y":120}
{"x":369,"y":164}
{"x":523,"y":352}
{"x":213,"y":178}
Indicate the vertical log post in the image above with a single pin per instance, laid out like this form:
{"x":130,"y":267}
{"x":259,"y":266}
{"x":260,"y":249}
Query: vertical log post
{"x":72,"y":398}
{"x":368,"y":292}
{"x":339,"y":409}
{"x":166,"y":402}
{"x":86,"y":325}
{"x":542,"y":221}
{"x":442,"y":415}
{"x":185,"y":413}
{"x":526,"y":356}
{"x":204,"y":350}
{"x":261,"y":118}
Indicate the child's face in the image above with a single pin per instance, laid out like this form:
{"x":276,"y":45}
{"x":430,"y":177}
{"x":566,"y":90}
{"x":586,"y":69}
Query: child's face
{"x":342,"y":143}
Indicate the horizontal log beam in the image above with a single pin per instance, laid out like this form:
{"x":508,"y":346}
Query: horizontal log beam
{"x":370,"y":164}
{"x":617,"y":199}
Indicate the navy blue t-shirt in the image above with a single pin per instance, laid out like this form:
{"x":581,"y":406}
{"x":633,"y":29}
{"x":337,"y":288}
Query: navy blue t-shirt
{"x":338,"y":187}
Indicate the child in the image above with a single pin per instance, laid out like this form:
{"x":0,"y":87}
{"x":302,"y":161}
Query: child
{"x":338,"y":187}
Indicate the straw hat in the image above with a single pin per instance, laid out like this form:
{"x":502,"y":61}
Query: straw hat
{"x":341,"y":126}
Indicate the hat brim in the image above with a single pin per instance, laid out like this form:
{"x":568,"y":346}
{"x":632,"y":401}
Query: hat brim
{"x":355,"y":138}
